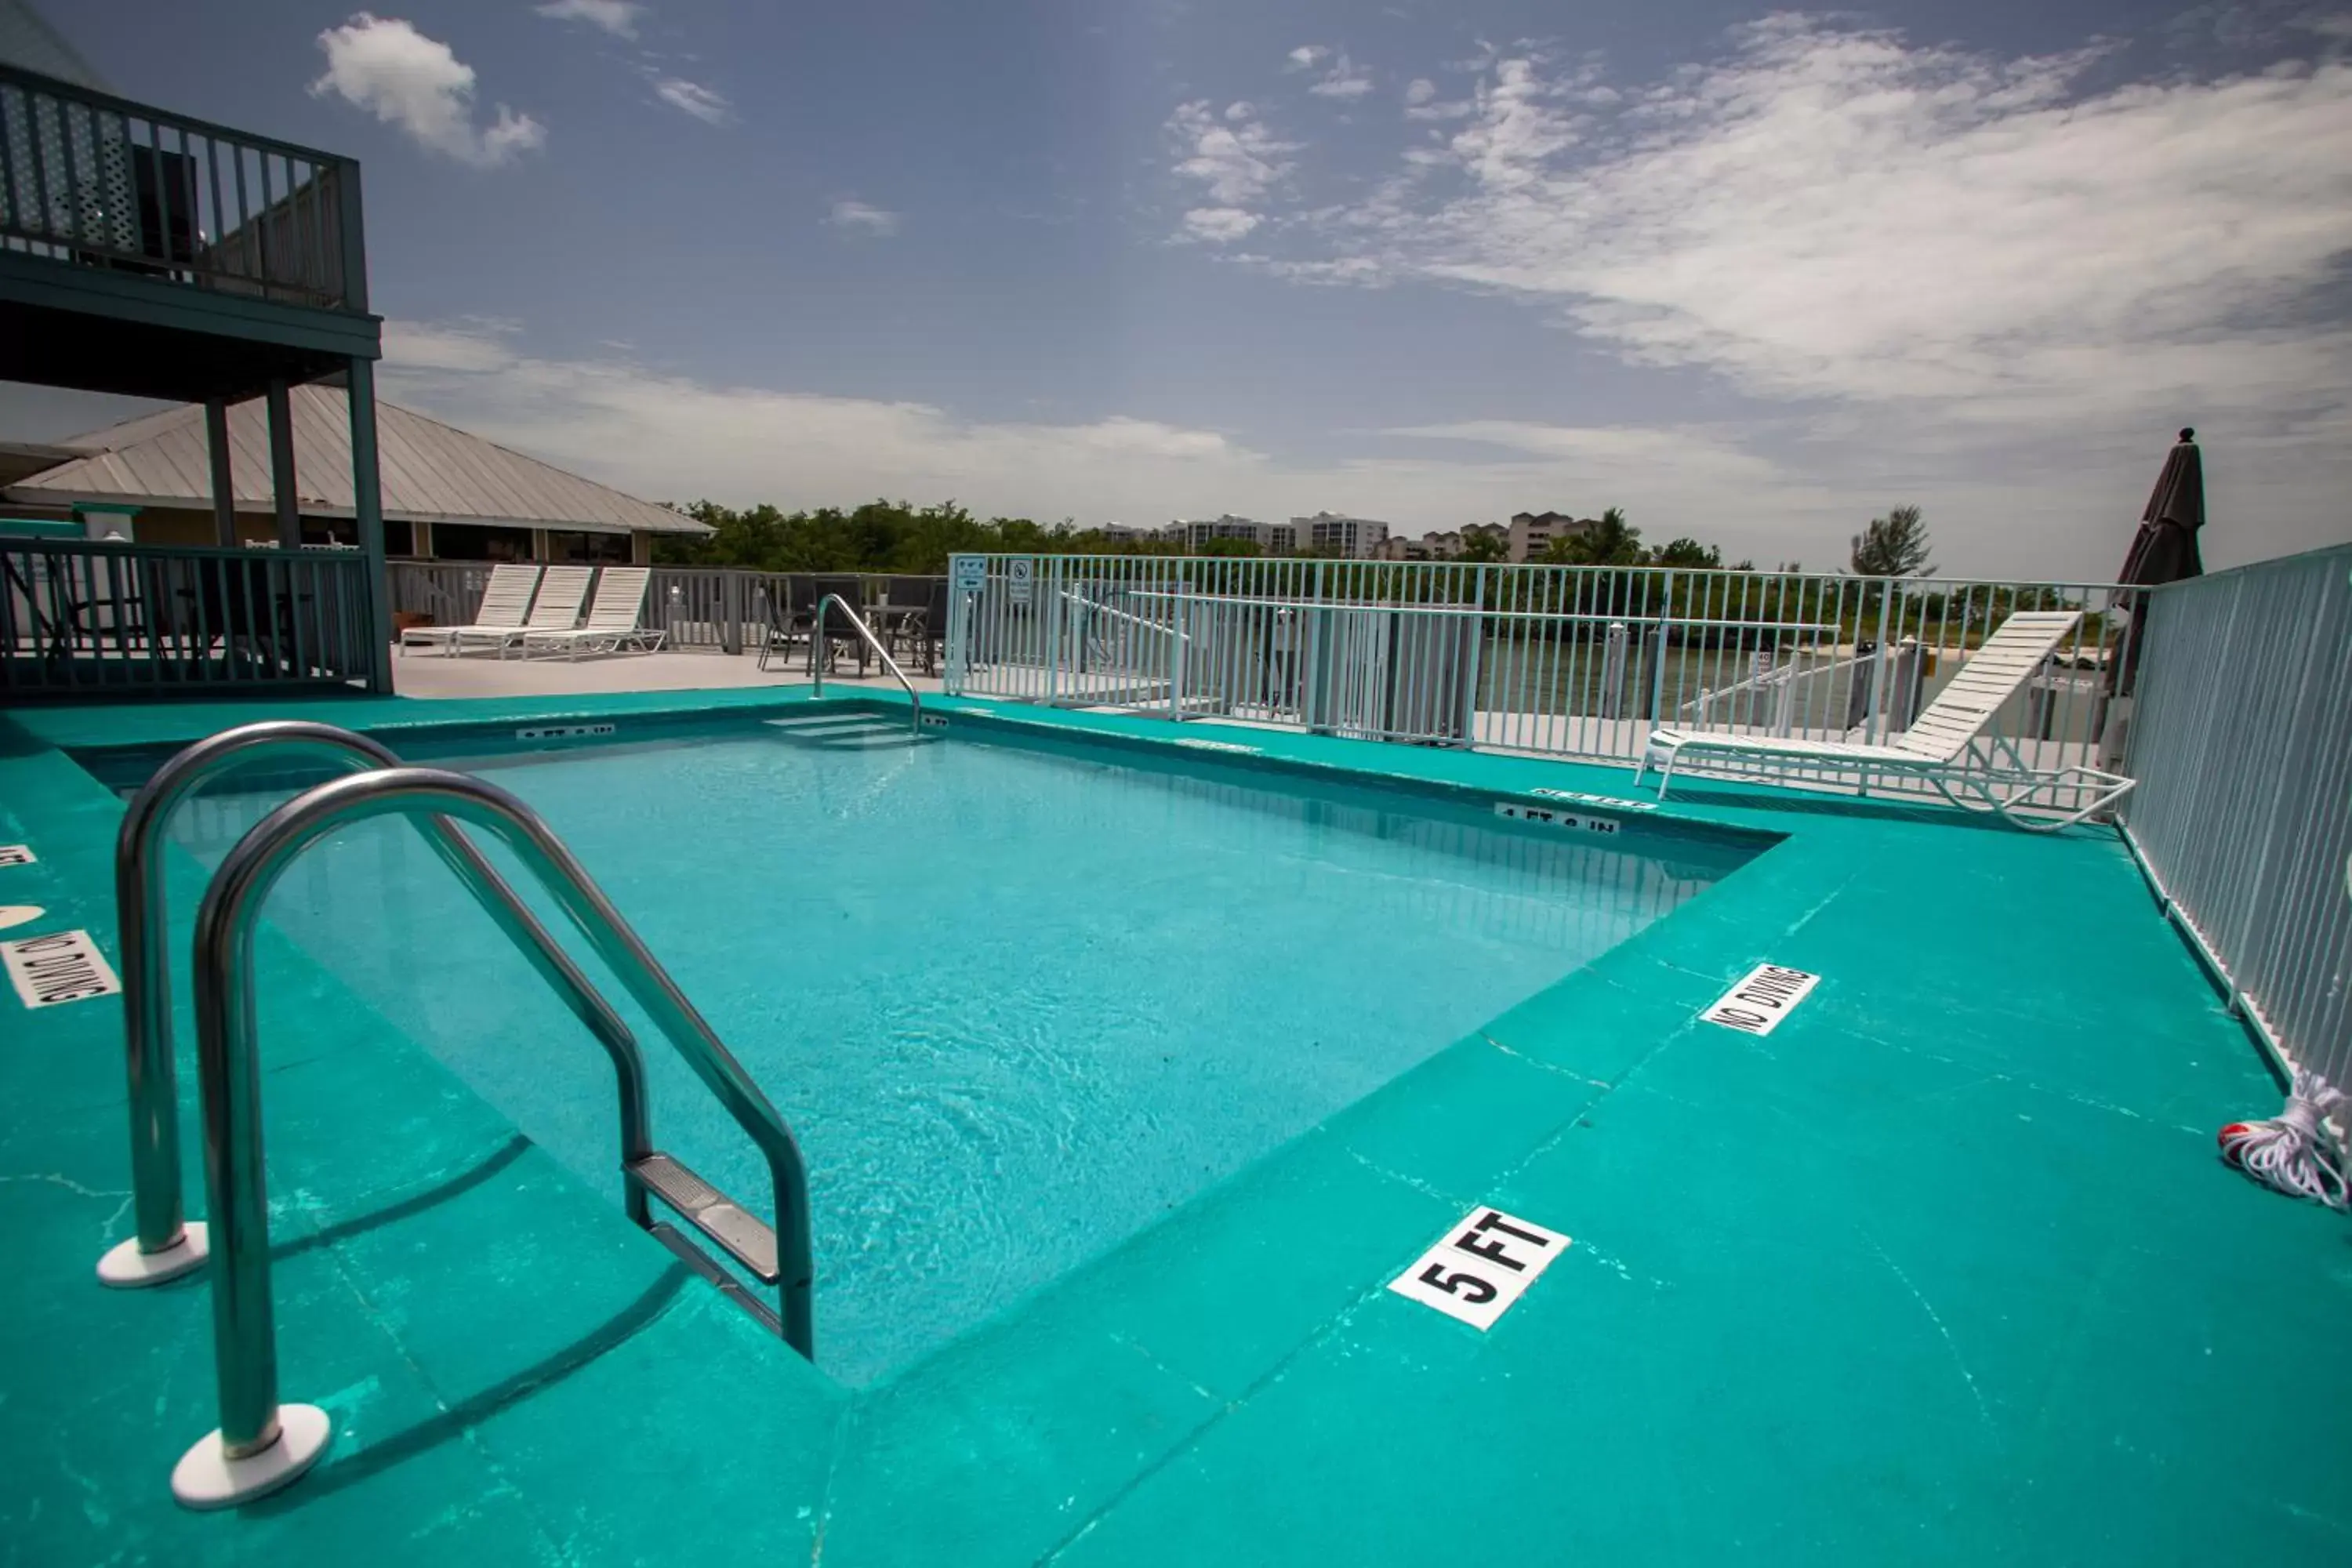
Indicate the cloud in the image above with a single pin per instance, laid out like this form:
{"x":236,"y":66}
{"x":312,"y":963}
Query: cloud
{"x":472,"y":345}
{"x":1958,"y":258}
{"x":404,"y":79}
{"x":1422,"y":102}
{"x":705,"y":104}
{"x":1345,"y":80}
{"x":669,"y":436}
{"x":1234,"y":156}
{"x":1306,"y":56}
{"x":666,"y":436}
{"x":863,"y":217}
{"x":1831,"y":212}
{"x":1689,"y":446}
{"x":1219,"y":225}
{"x":618,"y":17}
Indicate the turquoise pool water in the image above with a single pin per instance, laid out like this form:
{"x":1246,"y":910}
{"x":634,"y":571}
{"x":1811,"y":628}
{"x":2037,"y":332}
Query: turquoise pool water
{"x":1017,"y":1000}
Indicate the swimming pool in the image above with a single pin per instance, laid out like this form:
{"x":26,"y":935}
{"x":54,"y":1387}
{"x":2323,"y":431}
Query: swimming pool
{"x":1017,"y":997}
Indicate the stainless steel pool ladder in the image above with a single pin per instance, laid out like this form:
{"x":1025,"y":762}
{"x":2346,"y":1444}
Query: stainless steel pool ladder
{"x":259,"y":1447}
{"x":816,"y":658}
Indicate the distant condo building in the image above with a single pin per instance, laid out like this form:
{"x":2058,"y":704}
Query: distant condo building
{"x":1328,"y":533}
{"x":1325,"y":533}
{"x":1528,"y":536}
{"x":1271,"y":538}
{"x":1449,"y":545}
{"x":1532,"y":532}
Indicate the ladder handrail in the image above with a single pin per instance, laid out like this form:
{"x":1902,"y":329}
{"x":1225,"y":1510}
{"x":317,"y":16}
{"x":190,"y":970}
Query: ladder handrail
{"x":816,"y":660}
{"x":142,"y":923}
{"x":228,"y":1063}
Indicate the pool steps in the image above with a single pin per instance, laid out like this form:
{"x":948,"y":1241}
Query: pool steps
{"x":846,"y":731}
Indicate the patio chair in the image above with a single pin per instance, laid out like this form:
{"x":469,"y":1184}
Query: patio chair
{"x":837,"y":629}
{"x":242,"y":608}
{"x":506,"y":604}
{"x":1945,"y":746}
{"x":907,"y":598}
{"x":66,"y":624}
{"x":615,"y":620}
{"x":928,"y":629}
{"x":789,"y":615}
{"x":557,"y":609}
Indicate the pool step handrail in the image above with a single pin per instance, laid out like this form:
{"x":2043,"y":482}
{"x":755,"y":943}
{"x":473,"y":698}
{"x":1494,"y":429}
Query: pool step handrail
{"x":261,"y":1446}
{"x":164,"y":1245}
{"x":817,"y":662}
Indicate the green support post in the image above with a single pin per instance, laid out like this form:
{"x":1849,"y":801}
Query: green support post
{"x":367,"y":513}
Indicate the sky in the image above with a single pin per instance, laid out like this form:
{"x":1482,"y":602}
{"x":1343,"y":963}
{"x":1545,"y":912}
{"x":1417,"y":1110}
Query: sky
{"x":1754,"y":276}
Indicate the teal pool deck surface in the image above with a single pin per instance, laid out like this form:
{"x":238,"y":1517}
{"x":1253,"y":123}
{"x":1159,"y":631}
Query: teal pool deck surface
{"x":1943,"y":1269}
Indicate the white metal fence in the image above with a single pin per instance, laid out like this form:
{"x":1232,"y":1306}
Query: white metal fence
{"x":1570,"y":661}
{"x":2242,"y":746}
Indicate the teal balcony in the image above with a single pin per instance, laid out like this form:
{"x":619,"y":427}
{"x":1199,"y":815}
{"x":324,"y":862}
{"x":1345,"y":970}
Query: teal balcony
{"x":147,"y":253}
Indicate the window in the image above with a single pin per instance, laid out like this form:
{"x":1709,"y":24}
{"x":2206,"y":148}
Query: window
{"x":466,"y":541}
{"x":589,"y":549}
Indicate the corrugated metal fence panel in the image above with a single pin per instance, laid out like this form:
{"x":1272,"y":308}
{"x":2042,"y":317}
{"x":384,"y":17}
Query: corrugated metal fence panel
{"x":2242,"y":743}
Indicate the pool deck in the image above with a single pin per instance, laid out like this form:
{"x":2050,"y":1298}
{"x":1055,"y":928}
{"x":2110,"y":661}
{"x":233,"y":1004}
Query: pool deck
{"x":1942,"y":1270}
{"x":423,"y":673}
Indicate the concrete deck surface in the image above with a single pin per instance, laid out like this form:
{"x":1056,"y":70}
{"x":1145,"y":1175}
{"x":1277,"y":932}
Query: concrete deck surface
{"x":1943,"y":1270}
{"x":419,"y":672}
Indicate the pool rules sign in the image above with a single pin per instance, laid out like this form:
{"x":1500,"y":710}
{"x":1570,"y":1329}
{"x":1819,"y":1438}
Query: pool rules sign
{"x":1482,"y":1267}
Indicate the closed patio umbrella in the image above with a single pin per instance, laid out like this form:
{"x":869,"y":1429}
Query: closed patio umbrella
{"x":2165,"y":549}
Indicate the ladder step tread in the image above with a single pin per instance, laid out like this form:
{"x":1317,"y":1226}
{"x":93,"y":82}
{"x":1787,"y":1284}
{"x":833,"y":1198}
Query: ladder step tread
{"x":745,"y":1238}
{"x":829,"y":724}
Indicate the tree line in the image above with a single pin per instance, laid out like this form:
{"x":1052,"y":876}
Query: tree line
{"x":893,"y":536}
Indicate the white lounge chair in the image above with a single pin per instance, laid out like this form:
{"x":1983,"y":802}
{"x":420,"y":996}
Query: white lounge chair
{"x":505,"y":604}
{"x":557,"y":609}
{"x":613,"y":624}
{"x":1944,"y":746}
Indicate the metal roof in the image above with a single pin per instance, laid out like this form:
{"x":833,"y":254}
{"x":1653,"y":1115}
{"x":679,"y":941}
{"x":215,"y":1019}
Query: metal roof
{"x":29,"y":43}
{"x":431,"y":472}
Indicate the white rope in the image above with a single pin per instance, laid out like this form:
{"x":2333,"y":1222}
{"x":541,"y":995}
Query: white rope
{"x":2290,"y":1151}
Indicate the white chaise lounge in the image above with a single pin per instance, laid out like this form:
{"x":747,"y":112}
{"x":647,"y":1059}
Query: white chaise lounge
{"x":506,"y":604}
{"x":614,"y":622}
{"x":1946,"y":745}
{"x":557,"y":609}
